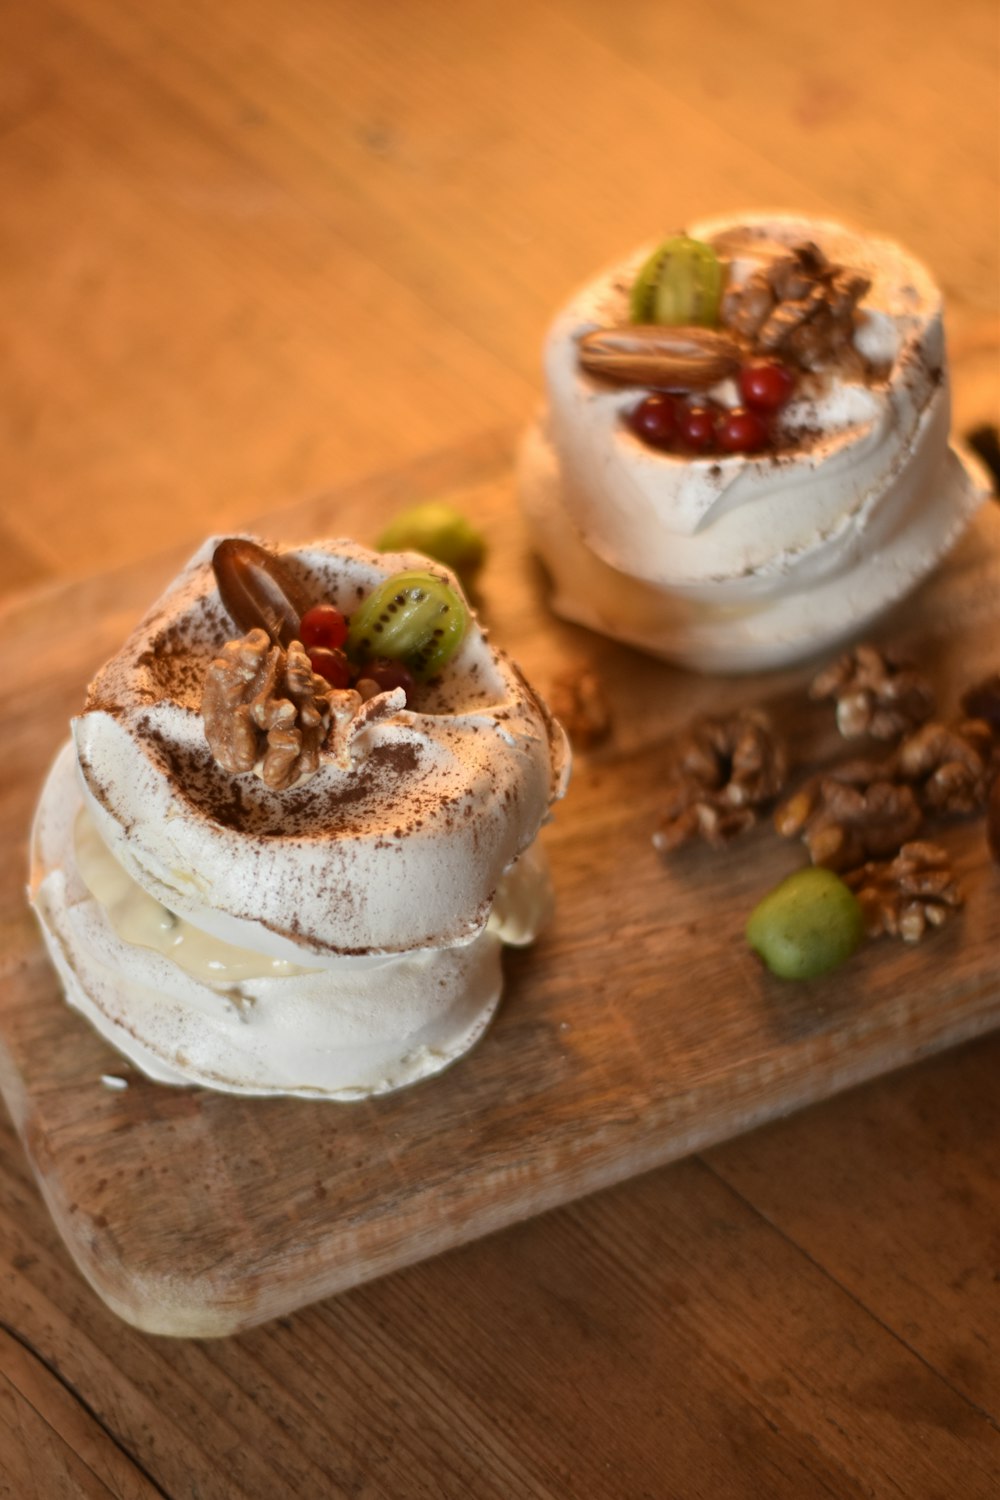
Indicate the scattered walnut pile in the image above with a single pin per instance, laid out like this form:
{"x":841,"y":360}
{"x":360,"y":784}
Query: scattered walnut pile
{"x":850,"y":813}
{"x":799,"y":306}
{"x":949,"y":766}
{"x":860,"y":818}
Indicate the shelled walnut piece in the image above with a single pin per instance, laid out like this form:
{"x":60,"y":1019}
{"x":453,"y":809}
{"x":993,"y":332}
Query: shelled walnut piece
{"x":905,"y":896}
{"x":800,"y":306}
{"x":723,"y":770}
{"x":877,"y":693}
{"x":577,"y":700}
{"x":949,"y":766}
{"x":850,"y":813}
{"x":265,"y":710}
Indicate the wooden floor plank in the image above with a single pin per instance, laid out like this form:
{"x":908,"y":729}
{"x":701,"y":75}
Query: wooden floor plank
{"x":875,"y":146}
{"x":911,"y":1234}
{"x":225,"y":279}
{"x":539,"y":1363}
{"x":50,"y":1446}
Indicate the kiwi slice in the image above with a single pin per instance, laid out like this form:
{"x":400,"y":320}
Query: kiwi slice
{"x":679,"y":285}
{"x":414,"y":618}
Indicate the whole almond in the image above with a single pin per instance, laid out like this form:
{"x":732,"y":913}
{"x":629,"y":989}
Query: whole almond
{"x":258,"y":590}
{"x":674,"y":359}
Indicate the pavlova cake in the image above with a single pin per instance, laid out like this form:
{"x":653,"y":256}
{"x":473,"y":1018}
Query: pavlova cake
{"x":744,"y":454}
{"x":295,"y":824}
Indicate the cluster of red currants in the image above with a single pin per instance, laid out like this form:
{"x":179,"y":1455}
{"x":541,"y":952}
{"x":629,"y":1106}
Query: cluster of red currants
{"x":323,"y":632}
{"x":699,"y":426}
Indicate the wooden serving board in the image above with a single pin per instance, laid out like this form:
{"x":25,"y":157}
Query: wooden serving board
{"x":638,"y":1029}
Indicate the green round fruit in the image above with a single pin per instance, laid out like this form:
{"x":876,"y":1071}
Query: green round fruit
{"x":807,"y":925}
{"x":680,"y":284}
{"x":439,"y":531}
{"x":414,"y":618}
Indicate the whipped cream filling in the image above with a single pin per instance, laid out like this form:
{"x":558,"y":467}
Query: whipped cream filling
{"x":186,"y":1007}
{"x":730,"y":554}
{"x":139,"y":919}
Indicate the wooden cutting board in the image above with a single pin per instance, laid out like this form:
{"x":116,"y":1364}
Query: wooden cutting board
{"x":639,"y":1028}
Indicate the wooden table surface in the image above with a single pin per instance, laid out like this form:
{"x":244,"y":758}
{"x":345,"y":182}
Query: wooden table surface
{"x":255,"y":250}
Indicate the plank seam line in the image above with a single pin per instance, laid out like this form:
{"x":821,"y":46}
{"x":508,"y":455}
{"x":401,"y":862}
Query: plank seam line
{"x":987,"y":1416}
{"x":70,"y":1390}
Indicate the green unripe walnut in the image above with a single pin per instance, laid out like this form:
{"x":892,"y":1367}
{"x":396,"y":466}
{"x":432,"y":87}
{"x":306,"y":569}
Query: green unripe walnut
{"x":680,"y":285}
{"x":439,"y":531}
{"x":414,"y":618}
{"x":807,"y":925}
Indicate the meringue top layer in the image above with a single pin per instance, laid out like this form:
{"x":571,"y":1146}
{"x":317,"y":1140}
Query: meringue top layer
{"x":740,"y":522}
{"x":401,"y":849}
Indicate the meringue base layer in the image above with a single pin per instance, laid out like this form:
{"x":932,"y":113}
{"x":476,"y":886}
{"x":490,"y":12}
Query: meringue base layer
{"x":751,"y":634}
{"x":354,"y":1028}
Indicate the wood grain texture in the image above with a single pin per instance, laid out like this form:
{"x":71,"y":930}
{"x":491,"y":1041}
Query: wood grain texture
{"x":52,"y":1448}
{"x":320,"y":240}
{"x":204,"y":211}
{"x":638,"y":1030}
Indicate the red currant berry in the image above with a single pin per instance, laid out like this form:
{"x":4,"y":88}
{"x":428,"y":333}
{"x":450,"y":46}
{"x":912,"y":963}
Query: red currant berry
{"x":654,"y":420}
{"x":333,"y":665}
{"x":323,"y":625}
{"x":388,"y":675}
{"x":696,"y":425}
{"x":765,"y":385}
{"x":741,"y":431}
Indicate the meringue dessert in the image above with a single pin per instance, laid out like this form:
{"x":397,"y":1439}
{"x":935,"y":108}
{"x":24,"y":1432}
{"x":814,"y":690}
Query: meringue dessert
{"x":272,"y":865}
{"x":744,"y":457}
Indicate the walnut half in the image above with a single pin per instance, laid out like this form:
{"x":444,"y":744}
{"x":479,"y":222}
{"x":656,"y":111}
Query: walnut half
{"x":907,"y":895}
{"x":722,"y":771}
{"x":877,"y":693}
{"x":800,"y":306}
{"x":265,"y":710}
{"x":850,"y":813}
{"x":949,"y":765}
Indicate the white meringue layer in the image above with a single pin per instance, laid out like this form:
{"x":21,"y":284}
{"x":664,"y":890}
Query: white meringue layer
{"x":401,"y":850}
{"x":738,"y":562}
{"x":349,"y":1029}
